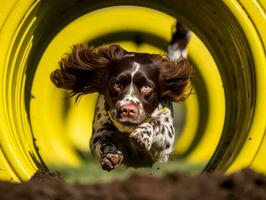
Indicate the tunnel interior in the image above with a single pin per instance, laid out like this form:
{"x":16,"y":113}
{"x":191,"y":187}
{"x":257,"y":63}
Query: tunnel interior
{"x":216,"y":125}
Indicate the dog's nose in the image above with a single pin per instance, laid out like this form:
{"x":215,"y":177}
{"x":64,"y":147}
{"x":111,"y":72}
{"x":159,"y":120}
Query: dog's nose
{"x":129,"y":111}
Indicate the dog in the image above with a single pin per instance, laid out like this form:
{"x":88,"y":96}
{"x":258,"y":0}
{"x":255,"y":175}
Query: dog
{"x":133,"y":122}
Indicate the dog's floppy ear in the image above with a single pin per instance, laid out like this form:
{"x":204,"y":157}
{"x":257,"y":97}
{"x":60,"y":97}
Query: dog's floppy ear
{"x":175,"y":79}
{"x":85,"y":70}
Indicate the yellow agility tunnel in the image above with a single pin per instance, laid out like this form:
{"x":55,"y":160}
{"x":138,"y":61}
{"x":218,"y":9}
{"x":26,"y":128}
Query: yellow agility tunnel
{"x":223,"y":122}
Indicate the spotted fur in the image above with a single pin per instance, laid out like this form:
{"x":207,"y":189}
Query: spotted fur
{"x":156,"y":136}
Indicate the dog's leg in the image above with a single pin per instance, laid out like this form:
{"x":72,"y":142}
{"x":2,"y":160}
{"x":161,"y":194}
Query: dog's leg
{"x":105,"y":149}
{"x":141,"y":137}
{"x":104,"y":143}
{"x":156,"y":136}
{"x":163,"y":134}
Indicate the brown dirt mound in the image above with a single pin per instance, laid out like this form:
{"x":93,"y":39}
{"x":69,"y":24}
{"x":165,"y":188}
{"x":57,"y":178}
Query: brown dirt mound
{"x":242,"y":185}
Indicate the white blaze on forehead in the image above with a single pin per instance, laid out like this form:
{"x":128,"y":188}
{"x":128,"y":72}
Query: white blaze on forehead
{"x":129,"y":97}
{"x":134,"y":71}
{"x":135,"y":68}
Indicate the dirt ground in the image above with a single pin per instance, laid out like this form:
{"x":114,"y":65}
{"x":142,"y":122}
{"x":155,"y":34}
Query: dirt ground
{"x":43,"y":186}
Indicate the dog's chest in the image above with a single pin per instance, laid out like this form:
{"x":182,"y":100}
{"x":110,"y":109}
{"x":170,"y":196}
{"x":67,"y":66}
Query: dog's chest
{"x":102,"y":120}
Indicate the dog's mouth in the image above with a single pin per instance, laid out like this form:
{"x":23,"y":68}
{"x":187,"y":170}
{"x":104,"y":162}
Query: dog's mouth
{"x":125,"y":124}
{"x":116,"y":115}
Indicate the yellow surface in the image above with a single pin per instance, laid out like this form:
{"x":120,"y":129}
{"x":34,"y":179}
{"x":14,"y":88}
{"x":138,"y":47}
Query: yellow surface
{"x":6,"y":172}
{"x":191,"y":123}
{"x":15,"y":140}
{"x":253,"y":21}
{"x":257,"y":11}
{"x":5,"y":8}
{"x":216,"y":103}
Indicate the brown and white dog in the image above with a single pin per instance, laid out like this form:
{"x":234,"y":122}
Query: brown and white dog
{"x":131,"y":125}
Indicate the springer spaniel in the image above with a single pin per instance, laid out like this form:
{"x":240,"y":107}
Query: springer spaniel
{"x":133,"y":122}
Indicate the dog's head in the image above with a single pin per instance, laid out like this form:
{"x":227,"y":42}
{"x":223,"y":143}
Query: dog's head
{"x":133,"y":83}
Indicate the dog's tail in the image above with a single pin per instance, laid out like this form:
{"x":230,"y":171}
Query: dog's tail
{"x":180,"y":38}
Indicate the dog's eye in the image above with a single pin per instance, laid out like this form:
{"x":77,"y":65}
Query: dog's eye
{"x":116,"y":85}
{"x":146,"y":88}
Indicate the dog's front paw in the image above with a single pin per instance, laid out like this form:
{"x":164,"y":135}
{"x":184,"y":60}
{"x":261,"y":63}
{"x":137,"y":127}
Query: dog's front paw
{"x":141,"y":139}
{"x":111,"y":160}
